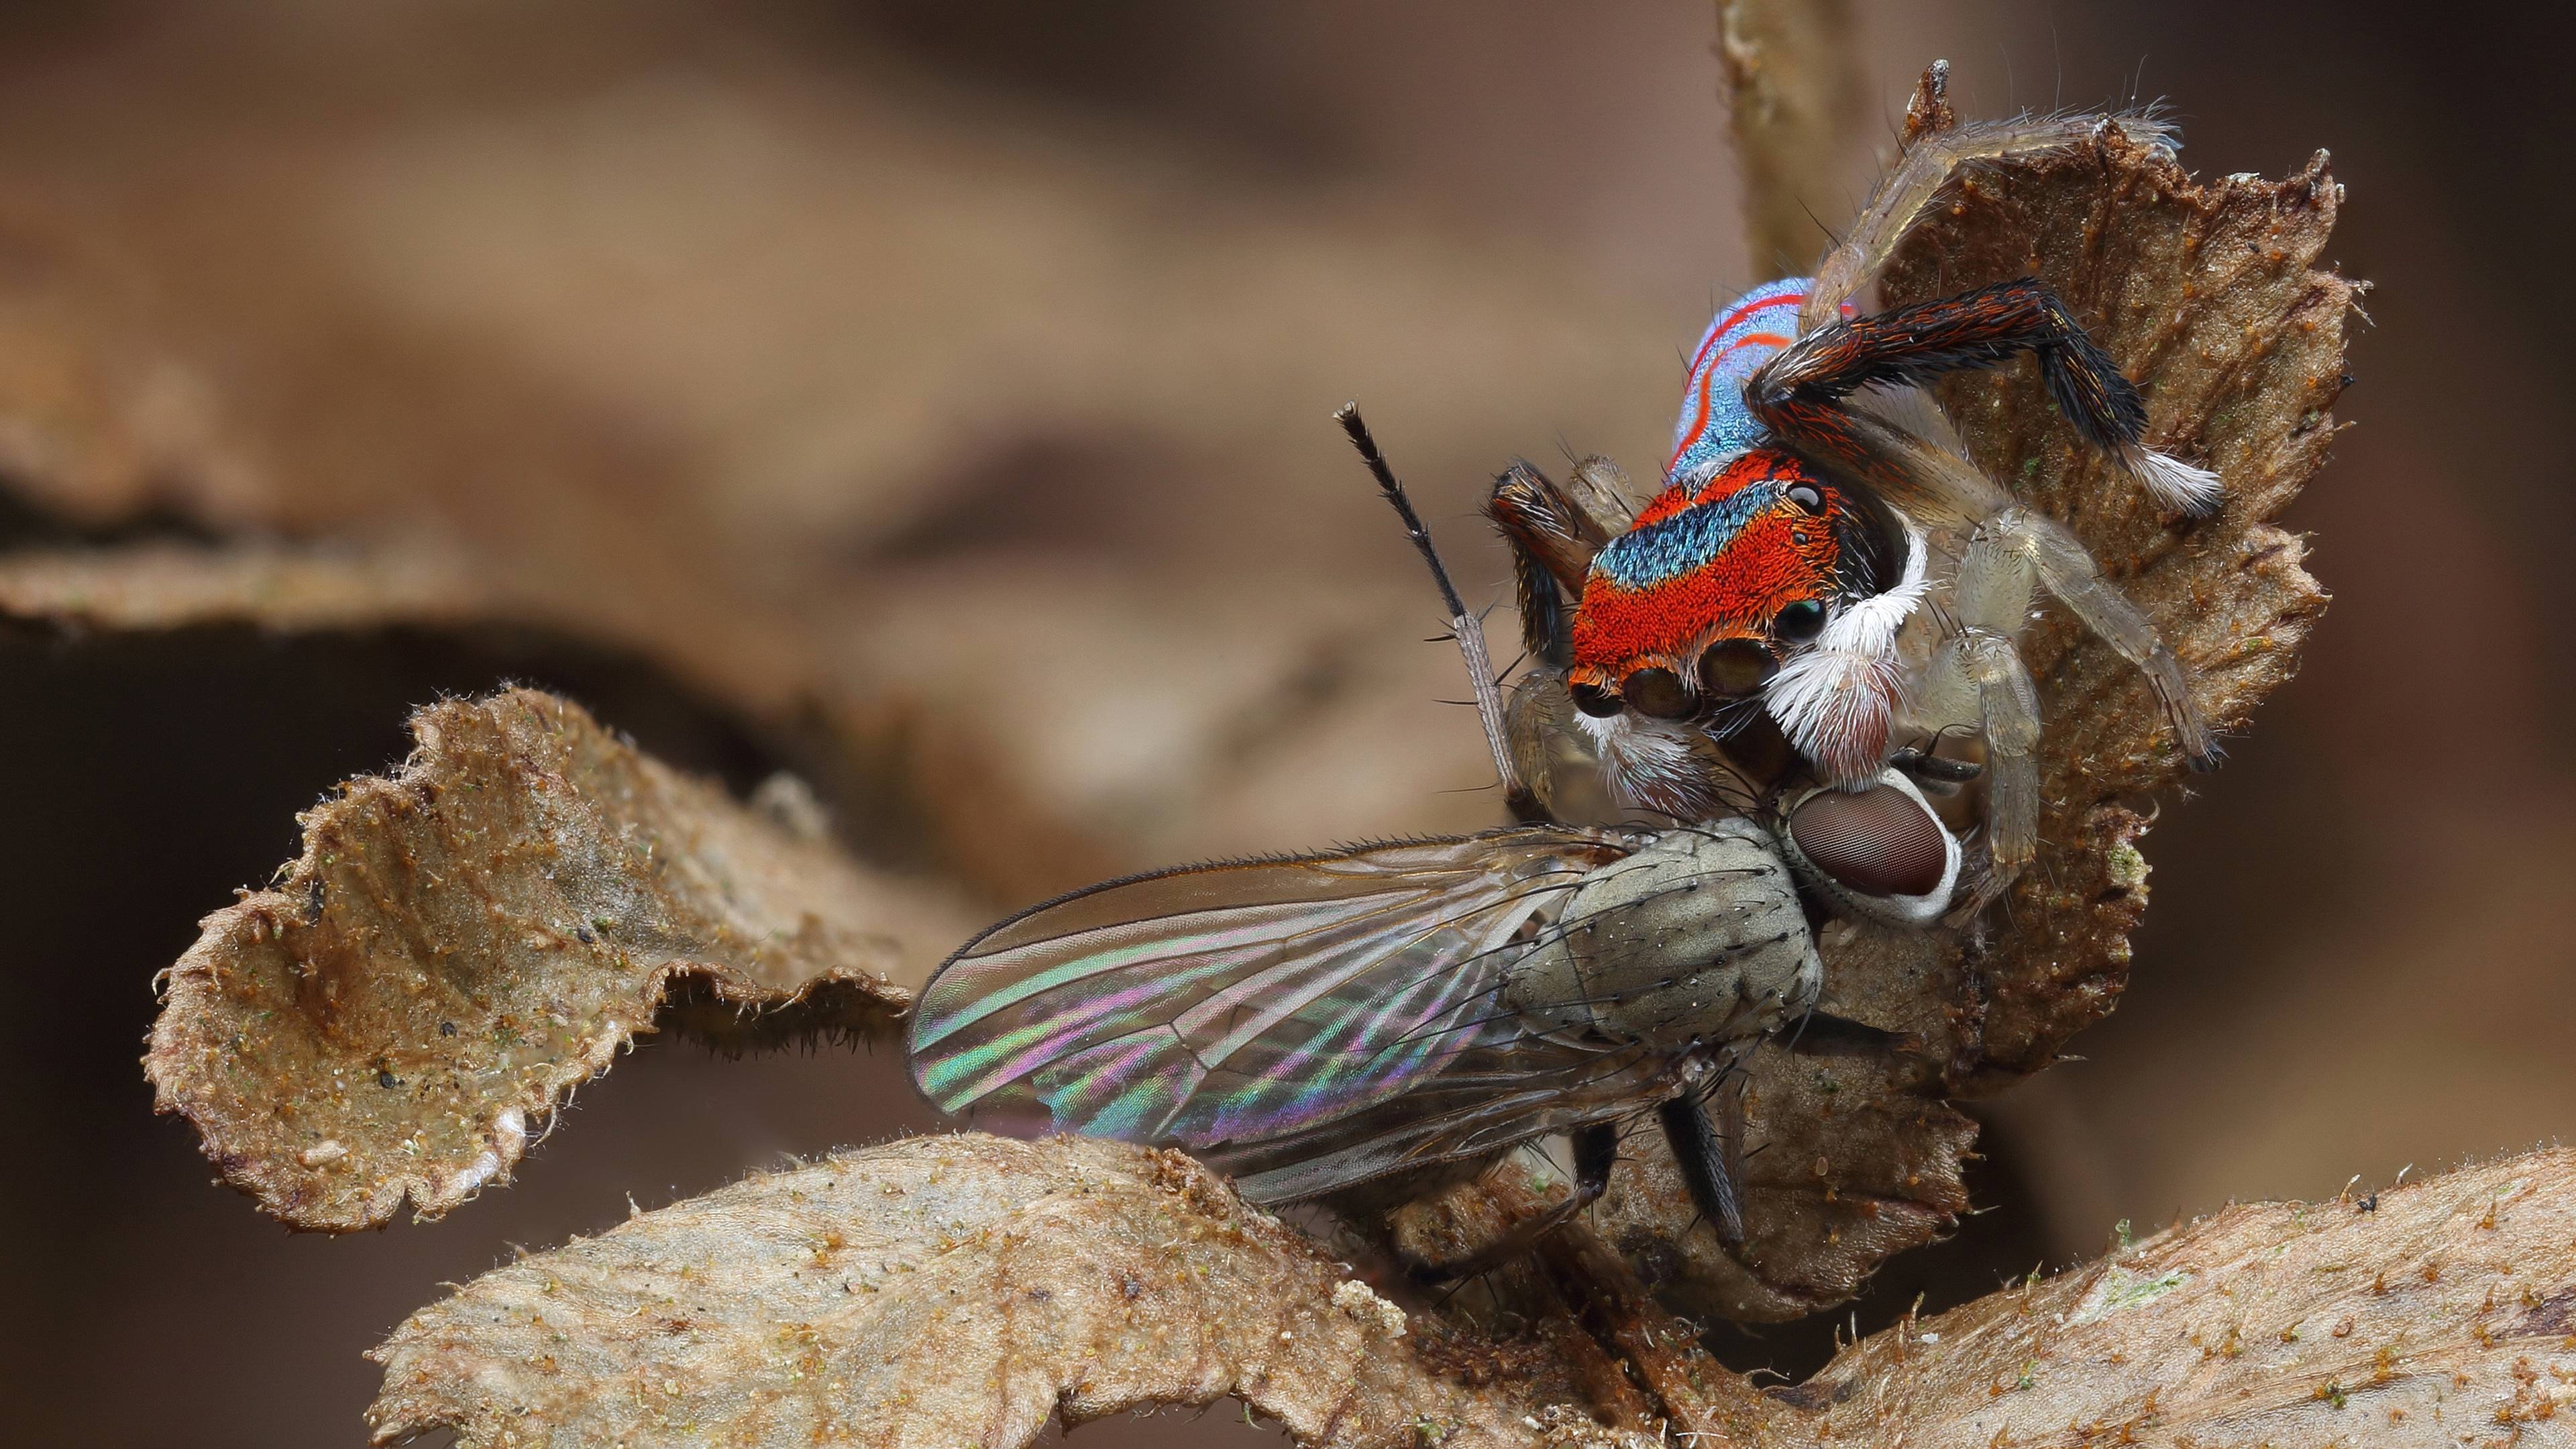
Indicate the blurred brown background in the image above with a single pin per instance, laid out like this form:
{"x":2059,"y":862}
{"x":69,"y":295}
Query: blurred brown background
{"x":932,"y":397}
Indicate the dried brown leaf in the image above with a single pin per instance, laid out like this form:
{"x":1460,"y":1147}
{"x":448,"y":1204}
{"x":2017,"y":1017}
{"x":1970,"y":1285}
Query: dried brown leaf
{"x":462,"y":943}
{"x":957,"y":1289}
{"x":945,"y":1291}
{"x":1848,"y":1165}
{"x":2209,"y":296}
{"x":2444,"y":1311}
{"x":169,"y":585}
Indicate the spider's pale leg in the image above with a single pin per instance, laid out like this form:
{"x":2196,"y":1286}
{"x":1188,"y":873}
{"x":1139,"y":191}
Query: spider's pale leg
{"x":1919,"y":176}
{"x":1979,"y":675}
{"x":2069,"y":573}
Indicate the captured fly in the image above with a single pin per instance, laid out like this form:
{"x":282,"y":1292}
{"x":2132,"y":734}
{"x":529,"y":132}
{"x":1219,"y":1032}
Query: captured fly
{"x":1312,"y":1023}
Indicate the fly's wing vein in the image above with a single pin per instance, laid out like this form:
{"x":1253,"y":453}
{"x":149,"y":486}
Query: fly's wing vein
{"x":1273,"y":1010}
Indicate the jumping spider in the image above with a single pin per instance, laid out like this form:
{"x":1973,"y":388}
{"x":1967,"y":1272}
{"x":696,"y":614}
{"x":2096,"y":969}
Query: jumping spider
{"x":1822,"y":555}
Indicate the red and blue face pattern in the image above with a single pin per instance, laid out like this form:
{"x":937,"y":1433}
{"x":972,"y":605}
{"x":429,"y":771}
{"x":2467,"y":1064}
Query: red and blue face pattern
{"x":1744,"y":543}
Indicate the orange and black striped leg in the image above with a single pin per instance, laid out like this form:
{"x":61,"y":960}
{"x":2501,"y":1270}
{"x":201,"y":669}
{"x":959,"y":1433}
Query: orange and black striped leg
{"x":1984,"y":328}
{"x":1552,"y":540}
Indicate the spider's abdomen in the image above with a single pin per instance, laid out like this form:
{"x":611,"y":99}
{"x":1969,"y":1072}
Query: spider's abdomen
{"x":1714,"y":426}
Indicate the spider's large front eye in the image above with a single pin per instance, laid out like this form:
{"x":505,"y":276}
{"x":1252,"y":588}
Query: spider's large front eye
{"x":1593,"y":700}
{"x":1806,"y":496}
{"x":1799,"y":622}
{"x":1656,"y":692}
{"x":1734,"y":668}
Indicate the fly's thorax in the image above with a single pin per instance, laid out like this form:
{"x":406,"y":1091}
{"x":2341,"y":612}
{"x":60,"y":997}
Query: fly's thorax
{"x":1698,"y":937}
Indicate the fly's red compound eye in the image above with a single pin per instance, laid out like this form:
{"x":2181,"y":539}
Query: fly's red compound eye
{"x":1656,"y":691}
{"x":1735,"y":668}
{"x":1879,"y":842}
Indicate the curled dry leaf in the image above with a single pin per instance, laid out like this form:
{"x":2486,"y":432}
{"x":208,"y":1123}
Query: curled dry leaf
{"x":2209,"y":296}
{"x":1850,"y":1165}
{"x":170,"y":585}
{"x":462,"y":943}
{"x":958,"y":1290}
{"x":947,"y":1291}
{"x":2444,"y":1311}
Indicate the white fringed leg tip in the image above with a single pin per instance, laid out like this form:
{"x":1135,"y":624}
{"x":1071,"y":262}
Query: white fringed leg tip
{"x":2174,"y":484}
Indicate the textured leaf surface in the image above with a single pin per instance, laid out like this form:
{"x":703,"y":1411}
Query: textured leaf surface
{"x":2439,"y":1313}
{"x":1847,"y":1165}
{"x":959,"y":1290}
{"x":2209,"y":296}
{"x":462,"y":943}
{"x":946,"y":1291}
{"x":176,"y":585}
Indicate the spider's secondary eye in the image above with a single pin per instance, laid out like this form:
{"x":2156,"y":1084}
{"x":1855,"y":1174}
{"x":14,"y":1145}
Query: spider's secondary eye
{"x":1806,"y":496}
{"x":1799,"y":622}
{"x":1657,"y":692}
{"x":1734,"y":668}
{"x":1593,"y":700}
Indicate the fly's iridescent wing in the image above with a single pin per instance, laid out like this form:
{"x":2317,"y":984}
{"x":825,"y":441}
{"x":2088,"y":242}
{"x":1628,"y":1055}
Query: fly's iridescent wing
{"x":1307,"y":1022}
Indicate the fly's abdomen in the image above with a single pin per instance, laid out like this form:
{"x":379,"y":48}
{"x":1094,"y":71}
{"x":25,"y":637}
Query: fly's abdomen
{"x":1696,"y":938}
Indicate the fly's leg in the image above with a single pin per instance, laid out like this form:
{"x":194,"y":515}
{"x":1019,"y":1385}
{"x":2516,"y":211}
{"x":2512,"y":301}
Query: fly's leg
{"x":1708,"y":1146}
{"x":1596,"y":1149}
{"x":1930,"y":770}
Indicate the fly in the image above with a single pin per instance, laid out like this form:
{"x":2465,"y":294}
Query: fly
{"x":1312,"y":1023}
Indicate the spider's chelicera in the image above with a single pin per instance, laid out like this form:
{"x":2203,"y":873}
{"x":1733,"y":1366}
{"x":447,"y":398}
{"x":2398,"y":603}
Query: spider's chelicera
{"x":1822,"y":554}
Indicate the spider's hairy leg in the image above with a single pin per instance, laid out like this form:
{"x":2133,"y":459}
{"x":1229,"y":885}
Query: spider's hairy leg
{"x":1919,"y":176}
{"x":2069,"y":573}
{"x":1552,"y":541}
{"x":1983,"y":328}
